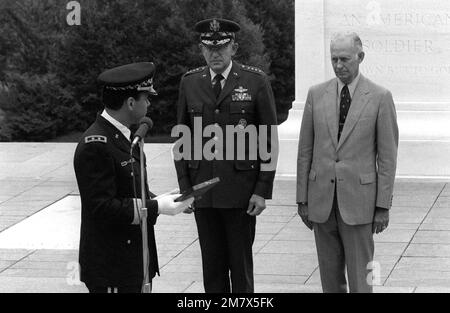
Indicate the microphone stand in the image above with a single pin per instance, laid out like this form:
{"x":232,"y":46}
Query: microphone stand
{"x":146,"y":285}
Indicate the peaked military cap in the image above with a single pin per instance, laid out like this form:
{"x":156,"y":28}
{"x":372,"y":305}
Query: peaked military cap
{"x":135,"y":76}
{"x":216,"y":32}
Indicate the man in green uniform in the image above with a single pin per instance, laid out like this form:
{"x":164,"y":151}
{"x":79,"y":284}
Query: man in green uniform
{"x":225,"y":93}
{"x":111,"y":258}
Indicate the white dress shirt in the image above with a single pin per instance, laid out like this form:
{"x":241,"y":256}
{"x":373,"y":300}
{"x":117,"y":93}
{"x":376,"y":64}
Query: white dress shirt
{"x":351,"y":86}
{"x":122,"y":128}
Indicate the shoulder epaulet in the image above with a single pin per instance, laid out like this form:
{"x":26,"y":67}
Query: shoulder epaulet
{"x":196,"y":70}
{"x":252,"y":69}
{"x":95,"y":138}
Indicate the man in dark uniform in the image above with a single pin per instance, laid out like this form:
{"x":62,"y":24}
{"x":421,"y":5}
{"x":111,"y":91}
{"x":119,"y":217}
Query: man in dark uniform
{"x":110,"y":238}
{"x":225,"y":93}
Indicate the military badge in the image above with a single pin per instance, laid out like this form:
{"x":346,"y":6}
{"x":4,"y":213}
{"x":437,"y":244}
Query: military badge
{"x":91,"y":139}
{"x":125,"y":163}
{"x":214,"y":26}
{"x":242,"y":123}
{"x":241,"y":95}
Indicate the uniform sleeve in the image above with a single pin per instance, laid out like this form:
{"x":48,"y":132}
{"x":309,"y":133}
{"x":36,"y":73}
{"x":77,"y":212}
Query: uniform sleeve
{"x":95,"y":172}
{"x":152,"y":205}
{"x":181,"y":166}
{"x":387,"y":145}
{"x":268,"y":140}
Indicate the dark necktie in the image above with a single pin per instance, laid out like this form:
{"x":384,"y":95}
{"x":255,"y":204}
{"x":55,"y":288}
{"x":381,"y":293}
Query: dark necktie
{"x":343,"y":109}
{"x":133,"y":128}
{"x":217,"y":86}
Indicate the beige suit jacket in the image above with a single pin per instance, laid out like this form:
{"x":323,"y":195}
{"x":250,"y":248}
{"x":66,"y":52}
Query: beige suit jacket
{"x":362,"y":164}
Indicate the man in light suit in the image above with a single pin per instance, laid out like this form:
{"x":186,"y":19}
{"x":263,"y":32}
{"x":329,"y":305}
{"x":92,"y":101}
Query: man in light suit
{"x":346,"y":167}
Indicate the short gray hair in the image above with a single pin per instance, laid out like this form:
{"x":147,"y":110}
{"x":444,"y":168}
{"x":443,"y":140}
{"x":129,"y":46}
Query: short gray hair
{"x":357,"y":43}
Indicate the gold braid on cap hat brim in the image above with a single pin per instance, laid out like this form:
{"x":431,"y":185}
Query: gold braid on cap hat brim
{"x":216,"y":42}
{"x":145,"y":84}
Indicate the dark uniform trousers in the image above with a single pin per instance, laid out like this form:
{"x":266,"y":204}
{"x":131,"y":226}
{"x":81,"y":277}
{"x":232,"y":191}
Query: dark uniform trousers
{"x":234,"y":229}
{"x":339,"y":246}
{"x":122,"y":289}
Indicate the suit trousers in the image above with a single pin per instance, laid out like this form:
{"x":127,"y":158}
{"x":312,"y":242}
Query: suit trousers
{"x":339,"y":246}
{"x":226,"y":238}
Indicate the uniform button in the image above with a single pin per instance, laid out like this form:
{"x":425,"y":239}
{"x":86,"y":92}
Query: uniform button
{"x":217,"y":111}
{"x":131,"y":173}
{"x":243,"y":111}
{"x":332,"y":181}
{"x":129,"y":242}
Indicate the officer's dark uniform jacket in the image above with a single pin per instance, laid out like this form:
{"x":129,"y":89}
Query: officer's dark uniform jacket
{"x":110,"y":246}
{"x":246,"y":99}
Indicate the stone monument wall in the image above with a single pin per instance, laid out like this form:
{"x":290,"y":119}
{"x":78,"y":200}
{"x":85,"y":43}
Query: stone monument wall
{"x":407,"y":45}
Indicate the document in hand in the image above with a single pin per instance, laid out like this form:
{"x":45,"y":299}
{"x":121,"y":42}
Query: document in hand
{"x":198,"y":190}
{"x":172,"y":192}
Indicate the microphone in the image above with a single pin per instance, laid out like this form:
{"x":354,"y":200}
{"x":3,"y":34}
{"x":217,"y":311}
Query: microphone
{"x":145,"y":124}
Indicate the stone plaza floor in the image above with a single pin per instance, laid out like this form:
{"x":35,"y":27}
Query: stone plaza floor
{"x":39,"y":229}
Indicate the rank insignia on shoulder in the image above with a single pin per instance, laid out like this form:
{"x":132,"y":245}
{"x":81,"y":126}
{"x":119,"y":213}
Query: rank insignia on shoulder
{"x":252,"y":69}
{"x":95,"y":138}
{"x":196,"y":70}
{"x":241,"y":95}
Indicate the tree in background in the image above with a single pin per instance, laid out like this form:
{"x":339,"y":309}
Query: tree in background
{"x":115,"y":33}
{"x":50,"y":69}
{"x":33,"y":103}
{"x":277,"y":20}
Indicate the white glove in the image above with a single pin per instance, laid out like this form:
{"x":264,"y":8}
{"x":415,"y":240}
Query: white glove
{"x":168,"y":206}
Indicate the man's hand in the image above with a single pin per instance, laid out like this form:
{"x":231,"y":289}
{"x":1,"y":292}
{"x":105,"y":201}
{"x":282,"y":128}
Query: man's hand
{"x":381,"y":220}
{"x":190,"y":209}
{"x":168,"y":206}
{"x":303,"y":212}
{"x":256,"y":205}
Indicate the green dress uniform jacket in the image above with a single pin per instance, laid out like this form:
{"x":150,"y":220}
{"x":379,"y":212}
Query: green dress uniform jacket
{"x":110,"y":246}
{"x":246,"y":99}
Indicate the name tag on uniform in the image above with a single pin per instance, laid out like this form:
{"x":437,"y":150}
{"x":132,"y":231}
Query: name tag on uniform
{"x":241,"y":94}
{"x":125,"y":163}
